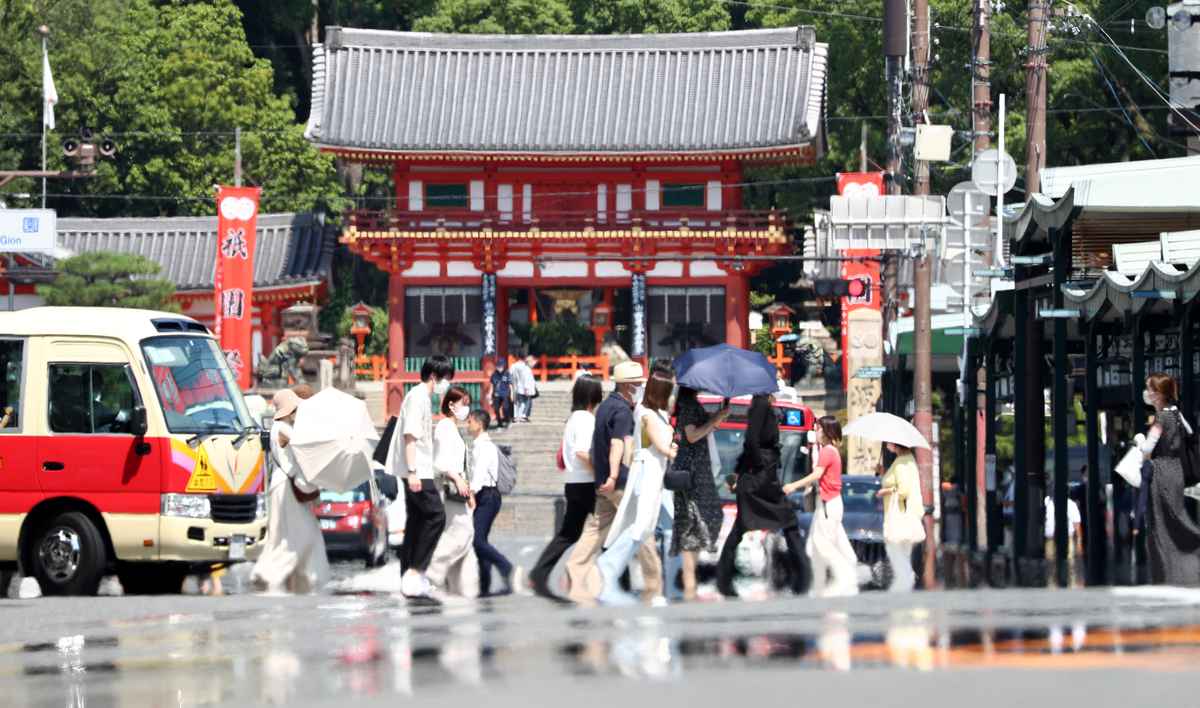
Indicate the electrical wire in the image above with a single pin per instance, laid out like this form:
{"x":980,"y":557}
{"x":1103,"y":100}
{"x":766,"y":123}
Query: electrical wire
{"x":1140,"y":74}
{"x":1117,"y":99}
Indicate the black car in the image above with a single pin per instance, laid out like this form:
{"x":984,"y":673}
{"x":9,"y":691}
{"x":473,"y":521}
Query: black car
{"x":862,"y":518}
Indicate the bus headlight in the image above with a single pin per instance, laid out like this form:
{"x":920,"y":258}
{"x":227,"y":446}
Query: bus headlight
{"x":190,"y":506}
{"x":260,"y":511}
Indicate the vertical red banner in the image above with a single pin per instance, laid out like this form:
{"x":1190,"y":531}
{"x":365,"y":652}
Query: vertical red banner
{"x":237,"y":216}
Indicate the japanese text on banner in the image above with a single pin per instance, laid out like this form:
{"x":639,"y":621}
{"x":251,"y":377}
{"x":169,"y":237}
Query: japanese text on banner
{"x":237,"y":215}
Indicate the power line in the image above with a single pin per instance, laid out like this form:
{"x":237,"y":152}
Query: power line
{"x":1141,"y":75}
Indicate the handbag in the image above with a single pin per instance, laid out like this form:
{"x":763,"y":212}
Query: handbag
{"x":676,"y":479}
{"x":901,"y":527}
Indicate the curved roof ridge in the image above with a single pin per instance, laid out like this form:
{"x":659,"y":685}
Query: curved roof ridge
{"x":341,"y":37}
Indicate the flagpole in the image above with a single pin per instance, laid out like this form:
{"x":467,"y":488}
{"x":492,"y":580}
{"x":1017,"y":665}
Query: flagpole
{"x":44,"y":31}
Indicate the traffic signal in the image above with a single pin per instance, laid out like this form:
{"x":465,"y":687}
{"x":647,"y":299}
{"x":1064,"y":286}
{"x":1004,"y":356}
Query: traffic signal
{"x":850,"y":287}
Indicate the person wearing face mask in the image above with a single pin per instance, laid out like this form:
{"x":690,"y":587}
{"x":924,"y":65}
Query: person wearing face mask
{"x":1173,"y":539}
{"x":612,"y":453}
{"x":410,"y":458}
{"x":454,"y":568}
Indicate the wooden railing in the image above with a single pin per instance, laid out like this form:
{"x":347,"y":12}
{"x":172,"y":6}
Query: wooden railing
{"x":496,"y":221}
{"x":566,"y":366}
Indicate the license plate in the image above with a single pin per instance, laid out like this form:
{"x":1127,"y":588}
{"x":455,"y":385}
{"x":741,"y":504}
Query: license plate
{"x":328,"y":524}
{"x":237,"y":547}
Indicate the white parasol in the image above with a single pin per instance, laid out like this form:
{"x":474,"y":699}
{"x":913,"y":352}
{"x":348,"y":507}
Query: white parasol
{"x":886,"y":427}
{"x":333,"y":440}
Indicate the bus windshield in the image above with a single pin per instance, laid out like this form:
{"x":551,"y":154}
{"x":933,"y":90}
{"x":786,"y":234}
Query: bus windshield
{"x":197,"y":390}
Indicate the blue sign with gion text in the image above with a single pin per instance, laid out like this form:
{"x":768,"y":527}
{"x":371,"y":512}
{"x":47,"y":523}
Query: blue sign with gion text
{"x":27,"y":230}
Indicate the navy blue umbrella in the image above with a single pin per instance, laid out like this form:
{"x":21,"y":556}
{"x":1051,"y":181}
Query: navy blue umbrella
{"x":726,"y":371}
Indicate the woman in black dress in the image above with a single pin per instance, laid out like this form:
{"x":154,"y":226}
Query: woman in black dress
{"x":1173,"y":539}
{"x":698,"y":514}
{"x":761,"y":503}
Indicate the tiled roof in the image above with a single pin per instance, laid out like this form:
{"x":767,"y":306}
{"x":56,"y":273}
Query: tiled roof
{"x":290,"y":248}
{"x":720,"y":91}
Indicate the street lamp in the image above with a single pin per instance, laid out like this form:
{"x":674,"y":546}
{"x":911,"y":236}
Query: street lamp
{"x":780,"y":317}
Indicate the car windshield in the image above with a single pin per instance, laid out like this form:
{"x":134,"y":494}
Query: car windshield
{"x":197,"y":390}
{"x":729,"y":447}
{"x":860,"y":497}
{"x":354,"y":496}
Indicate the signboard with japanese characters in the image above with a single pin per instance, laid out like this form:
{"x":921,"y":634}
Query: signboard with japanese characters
{"x":237,"y":216}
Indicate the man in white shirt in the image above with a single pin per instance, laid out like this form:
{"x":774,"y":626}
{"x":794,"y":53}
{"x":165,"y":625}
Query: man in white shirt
{"x":523,"y":389}
{"x":1074,"y":540}
{"x":485,"y":473}
{"x":410,"y":459}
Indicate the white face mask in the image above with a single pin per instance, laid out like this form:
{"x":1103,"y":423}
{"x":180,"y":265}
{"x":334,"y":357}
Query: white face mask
{"x":1148,"y":398}
{"x":441,"y":387}
{"x":461,"y":412}
{"x":639,"y":393}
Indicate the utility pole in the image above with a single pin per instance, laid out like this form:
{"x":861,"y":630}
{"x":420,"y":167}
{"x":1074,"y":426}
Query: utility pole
{"x":895,"y":49}
{"x":1035,"y":95}
{"x":922,"y":286}
{"x":237,"y":156}
{"x":981,"y":74}
{"x":981,"y":105}
{"x":862,"y":149}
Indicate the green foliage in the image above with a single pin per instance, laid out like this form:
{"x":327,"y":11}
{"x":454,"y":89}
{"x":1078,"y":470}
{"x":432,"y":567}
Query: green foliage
{"x":341,"y":298}
{"x":102,"y":279}
{"x":649,"y":16}
{"x":759,"y":299}
{"x":557,"y":337}
{"x":764,"y":343}
{"x":498,"y":17}
{"x":377,"y":341}
{"x":170,"y":82}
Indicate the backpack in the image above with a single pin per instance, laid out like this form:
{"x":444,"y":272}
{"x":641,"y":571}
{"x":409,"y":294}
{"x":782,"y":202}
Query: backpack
{"x":506,"y":475}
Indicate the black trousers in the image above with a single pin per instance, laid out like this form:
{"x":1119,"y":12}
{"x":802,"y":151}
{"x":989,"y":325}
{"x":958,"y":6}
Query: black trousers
{"x":504,"y":410}
{"x":423,"y":527}
{"x":726,"y":565}
{"x":581,"y":501}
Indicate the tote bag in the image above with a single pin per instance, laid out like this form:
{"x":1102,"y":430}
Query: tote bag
{"x":901,"y":527}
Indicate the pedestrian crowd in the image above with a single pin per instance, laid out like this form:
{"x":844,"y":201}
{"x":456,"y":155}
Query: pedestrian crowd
{"x":641,"y":461}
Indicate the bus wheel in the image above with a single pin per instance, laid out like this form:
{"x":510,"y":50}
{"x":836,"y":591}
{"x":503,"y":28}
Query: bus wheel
{"x":68,"y":555}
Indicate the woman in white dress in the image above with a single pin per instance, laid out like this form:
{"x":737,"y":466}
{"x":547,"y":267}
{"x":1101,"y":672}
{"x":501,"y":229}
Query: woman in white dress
{"x":454,"y":568}
{"x":638,"y":512}
{"x":293,"y":558}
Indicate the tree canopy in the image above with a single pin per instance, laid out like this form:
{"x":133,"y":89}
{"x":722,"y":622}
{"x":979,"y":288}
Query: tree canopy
{"x":169,"y":83}
{"x":102,"y":279}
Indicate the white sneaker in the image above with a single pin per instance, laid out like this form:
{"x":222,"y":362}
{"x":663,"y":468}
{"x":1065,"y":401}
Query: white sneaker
{"x":414,"y":585}
{"x":659,"y":601}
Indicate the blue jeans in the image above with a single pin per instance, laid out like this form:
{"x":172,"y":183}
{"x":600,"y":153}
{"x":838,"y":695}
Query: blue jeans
{"x":672,"y":564}
{"x":487,"y":505}
{"x":524,"y":406}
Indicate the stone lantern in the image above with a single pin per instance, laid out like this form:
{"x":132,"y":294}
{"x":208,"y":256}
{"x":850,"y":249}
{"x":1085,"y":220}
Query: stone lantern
{"x":361,"y":326}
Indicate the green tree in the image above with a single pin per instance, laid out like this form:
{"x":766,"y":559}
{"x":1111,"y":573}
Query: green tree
{"x":649,"y":16}
{"x":102,"y":279}
{"x":498,"y":17}
{"x":169,"y":83}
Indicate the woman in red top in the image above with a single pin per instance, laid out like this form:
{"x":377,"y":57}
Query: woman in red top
{"x":828,"y":545}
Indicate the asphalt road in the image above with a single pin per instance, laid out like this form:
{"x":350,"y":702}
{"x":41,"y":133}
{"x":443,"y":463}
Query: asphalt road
{"x":1126,"y":647}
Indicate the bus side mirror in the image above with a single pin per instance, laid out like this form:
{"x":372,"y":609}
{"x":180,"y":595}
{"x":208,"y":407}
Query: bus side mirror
{"x":137,"y":422}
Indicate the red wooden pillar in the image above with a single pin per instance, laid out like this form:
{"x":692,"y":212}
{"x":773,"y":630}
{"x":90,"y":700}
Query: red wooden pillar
{"x":533,"y":310}
{"x":737,"y":310}
{"x":394,"y":388}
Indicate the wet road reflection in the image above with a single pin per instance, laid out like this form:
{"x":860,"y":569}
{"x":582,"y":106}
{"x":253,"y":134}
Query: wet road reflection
{"x":295,"y":651}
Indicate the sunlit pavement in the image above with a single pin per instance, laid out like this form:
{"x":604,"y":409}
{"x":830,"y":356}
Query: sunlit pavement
{"x":1128,"y":647}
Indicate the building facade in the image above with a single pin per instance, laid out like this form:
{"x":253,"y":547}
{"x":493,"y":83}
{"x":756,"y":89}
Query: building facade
{"x":592,"y":181}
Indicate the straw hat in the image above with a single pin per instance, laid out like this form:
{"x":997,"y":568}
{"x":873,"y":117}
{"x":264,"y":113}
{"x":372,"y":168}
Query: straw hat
{"x":285,"y":403}
{"x":629,"y":372}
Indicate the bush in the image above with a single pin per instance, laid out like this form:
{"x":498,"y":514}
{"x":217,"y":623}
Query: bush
{"x":557,"y":337}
